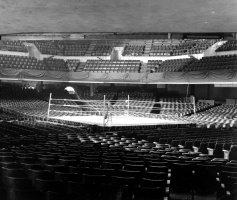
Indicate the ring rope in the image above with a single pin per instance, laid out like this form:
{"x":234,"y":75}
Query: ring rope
{"x":102,"y":101}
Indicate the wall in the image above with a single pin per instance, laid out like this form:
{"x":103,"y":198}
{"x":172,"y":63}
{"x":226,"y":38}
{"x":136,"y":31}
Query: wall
{"x":201,"y":91}
{"x":179,"y":89}
{"x":210,"y":92}
{"x":222,"y":93}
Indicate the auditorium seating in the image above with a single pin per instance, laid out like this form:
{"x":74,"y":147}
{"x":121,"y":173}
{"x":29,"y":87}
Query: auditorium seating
{"x":29,"y":103}
{"x":230,"y":45}
{"x":161,"y":47}
{"x":112,"y":66}
{"x":179,"y":47}
{"x":73,"y":48}
{"x":15,"y":45}
{"x":180,"y":106}
{"x":219,"y":116}
{"x":101,"y":50}
{"x":119,"y":161}
{"x":55,"y":64}
{"x":133,"y":50}
{"x":23,"y":62}
{"x":73,"y":65}
{"x":213,"y":63}
{"x":47,"y":47}
{"x":153,"y":65}
{"x":175,"y":65}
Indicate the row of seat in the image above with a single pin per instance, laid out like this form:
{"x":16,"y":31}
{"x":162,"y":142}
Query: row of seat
{"x":23,"y":62}
{"x":112,"y":66}
{"x":55,"y":144}
{"x":219,"y":116}
{"x":213,"y":63}
{"x":230,"y":45}
{"x":100,"y":48}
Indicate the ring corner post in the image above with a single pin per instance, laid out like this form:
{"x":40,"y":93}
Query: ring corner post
{"x":50,"y":96}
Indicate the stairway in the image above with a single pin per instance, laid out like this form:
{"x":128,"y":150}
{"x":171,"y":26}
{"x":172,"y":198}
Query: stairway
{"x":91,"y":47}
{"x":143,"y":67}
{"x":148,"y":44}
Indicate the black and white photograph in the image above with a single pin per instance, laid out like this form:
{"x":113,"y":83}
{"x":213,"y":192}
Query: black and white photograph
{"x":118,"y":100}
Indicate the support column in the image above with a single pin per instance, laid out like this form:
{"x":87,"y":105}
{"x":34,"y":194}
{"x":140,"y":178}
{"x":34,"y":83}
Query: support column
{"x":169,"y":36}
{"x":192,"y":89}
{"x":92,"y":89}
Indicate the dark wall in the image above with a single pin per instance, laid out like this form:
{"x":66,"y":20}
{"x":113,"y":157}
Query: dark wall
{"x":206,"y":91}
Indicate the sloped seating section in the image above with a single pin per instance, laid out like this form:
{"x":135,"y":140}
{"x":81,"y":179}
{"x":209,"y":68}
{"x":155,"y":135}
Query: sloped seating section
{"x":28,"y":103}
{"x":56,"y":64}
{"x":23,"y":62}
{"x":15,"y":45}
{"x":73,"y":65}
{"x":47,"y":47}
{"x":230,"y":45}
{"x":134,"y":50}
{"x":162,"y":47}
{"x":17,"y":100}
{"x":112,"y":66}
{"x":7,"y":116}
{"x":74,"y":48}
{"x":219,"y":116}
{"x":52,"y":161}
{"x":180,"y":106}
{"x":153,"y":65}
{"x":176,"y":65}
{"x":118,"y":96}
{"x":214,"y":63}
{"x":179,"y":47}
{"x":101,"y":50}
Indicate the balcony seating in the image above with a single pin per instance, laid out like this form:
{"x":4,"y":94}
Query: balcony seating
{"x":14,"y":45}
{"x":133,"y":50}
{"x":23,"y":62}
{"x":179,"y":47}
{"x":26,"y":103}
{"x":163,"y":47}
{"x":74,"y":49}
{"x":112,"y":66}
{"x":101,"y":50}
{"x":47,"y":47}
{"x":55,"y":64}
{"x":137,"y":179}
{"x":230,"y":45}
{"x":214,"y":63}
{"x":73,"y":65}
{"x":153,"y":65}
{"x":175,"y":65}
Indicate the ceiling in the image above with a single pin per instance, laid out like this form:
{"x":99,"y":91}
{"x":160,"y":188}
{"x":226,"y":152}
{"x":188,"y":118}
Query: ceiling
{"x":27,"y":16}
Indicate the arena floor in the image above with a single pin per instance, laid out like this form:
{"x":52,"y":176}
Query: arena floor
{"x":119,"y":120}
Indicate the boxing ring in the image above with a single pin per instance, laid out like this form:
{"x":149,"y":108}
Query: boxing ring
{"x":119,"y":121}
{"x":108,"y":112}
